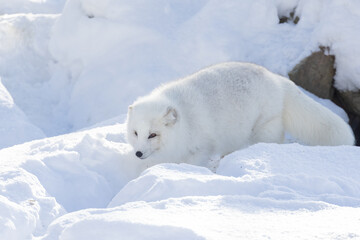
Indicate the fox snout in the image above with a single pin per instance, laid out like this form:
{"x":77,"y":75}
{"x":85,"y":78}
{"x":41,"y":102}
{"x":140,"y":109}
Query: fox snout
{"x":142,"y":155}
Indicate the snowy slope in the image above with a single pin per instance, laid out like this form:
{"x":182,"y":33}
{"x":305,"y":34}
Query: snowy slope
{"x":49,"y":189}
{"x":78,"y":171}
{"x":24,"y":71}
{"x":15,"y":126}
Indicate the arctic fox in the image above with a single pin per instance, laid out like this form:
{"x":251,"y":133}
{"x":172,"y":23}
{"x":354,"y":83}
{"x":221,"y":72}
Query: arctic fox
{"x":224,"y":108}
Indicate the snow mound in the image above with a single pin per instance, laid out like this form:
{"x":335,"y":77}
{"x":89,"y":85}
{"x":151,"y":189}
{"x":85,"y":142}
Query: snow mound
{"x":82,"y":170}
{"x":14,"y":123}
{"x":25,"y":64}
{"x":49,"y":189}
{"x":42,"y":180}
{"x":104,"y":224}
{"x":25,"y":207}
{"x":216,"y":217}
{"x":283,"y":172}
{"x":293,"y":171}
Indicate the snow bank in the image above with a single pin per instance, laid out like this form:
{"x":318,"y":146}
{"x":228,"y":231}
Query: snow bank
{"x":218,"y":217}
{"x":14,"y":123}
{"x":25,"y":207}
{"x":283,"y":172}
{"x":283,"y":190}
{"x":49,"y":189}
{"x":42,"y":180}
{"x":294,"y":171}
{"x":24,"y":71}
{"x":80,"y":170}
{"x":31,"y":6}
{"x":115,"y":51}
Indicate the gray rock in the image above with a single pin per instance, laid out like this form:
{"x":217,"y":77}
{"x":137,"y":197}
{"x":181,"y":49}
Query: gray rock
{"x":291,"y":18}
{"x":350,"y":101}
{"x":315,"y":74}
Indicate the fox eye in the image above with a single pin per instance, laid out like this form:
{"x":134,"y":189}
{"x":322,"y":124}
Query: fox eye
{"x":152,"y":135}
{"x":135,"y":132}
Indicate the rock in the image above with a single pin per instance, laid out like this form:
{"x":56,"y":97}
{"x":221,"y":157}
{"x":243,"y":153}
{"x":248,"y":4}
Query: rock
{"x":294,"y":18}
{"x":289,"y":19}
{"x":315,"y":74}
{"x":350,"y":101}
{"x":283,"y":19}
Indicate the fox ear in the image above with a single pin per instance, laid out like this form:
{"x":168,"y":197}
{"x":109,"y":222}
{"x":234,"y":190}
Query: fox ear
{"x":170,"y":116}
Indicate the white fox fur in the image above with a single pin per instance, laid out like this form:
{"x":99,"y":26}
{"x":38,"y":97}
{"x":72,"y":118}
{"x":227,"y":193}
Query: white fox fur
{"x":224,"y":108}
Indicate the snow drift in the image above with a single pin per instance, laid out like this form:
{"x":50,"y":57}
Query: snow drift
{"x":15,"y":126}
{"x":49,"y":189}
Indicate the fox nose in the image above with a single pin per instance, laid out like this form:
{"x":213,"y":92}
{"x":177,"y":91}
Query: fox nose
{"x":138,"y":154}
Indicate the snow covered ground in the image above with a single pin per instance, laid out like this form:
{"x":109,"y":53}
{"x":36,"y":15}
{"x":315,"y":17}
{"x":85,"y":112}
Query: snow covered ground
{"x":68,"y":71}
{"x":88,"y":185}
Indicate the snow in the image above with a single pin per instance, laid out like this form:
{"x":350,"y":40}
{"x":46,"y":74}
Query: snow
{"x":218,"y":217}
{"x":89,"y":185}
{"x":15,"y":126}
{"x":68,"y":71}
{"x":264,"y":170}
{"x":30,"y":6}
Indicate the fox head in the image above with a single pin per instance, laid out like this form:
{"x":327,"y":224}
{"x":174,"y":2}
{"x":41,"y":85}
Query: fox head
{"x":148,"y":126}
